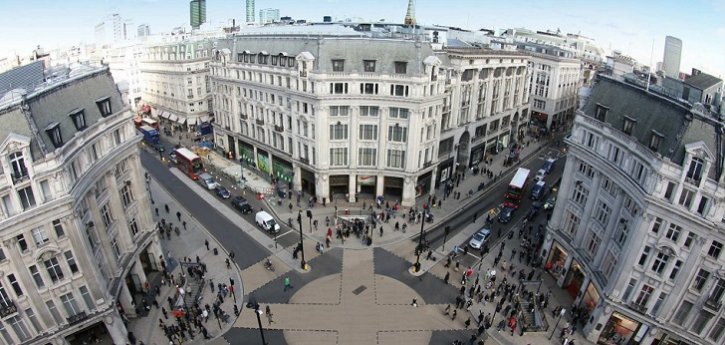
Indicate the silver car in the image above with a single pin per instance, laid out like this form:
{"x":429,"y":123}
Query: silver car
{"x":479,"y":238}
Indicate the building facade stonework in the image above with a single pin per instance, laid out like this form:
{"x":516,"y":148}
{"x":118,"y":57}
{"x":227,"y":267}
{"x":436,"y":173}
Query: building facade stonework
{"x":339,"y":116}
{"x":637,"y":234}
{"x":75,"y":219}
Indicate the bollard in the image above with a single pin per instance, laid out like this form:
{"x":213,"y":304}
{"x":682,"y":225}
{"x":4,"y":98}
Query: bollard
{"x":216,"y":252}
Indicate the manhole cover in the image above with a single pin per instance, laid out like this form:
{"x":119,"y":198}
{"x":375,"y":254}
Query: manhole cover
{"x":359,"y":290}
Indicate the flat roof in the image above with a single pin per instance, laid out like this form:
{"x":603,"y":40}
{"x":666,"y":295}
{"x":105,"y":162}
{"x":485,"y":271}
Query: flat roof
{"x":186,"y":153}
{"x":520,"y":178}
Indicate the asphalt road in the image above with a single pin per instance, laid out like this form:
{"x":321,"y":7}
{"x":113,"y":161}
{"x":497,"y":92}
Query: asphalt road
{"x":287,"y":235}
{"x":491,"y":199}
{"x":234,"y":239}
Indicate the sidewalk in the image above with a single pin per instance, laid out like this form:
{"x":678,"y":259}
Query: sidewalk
{"x":189,"y":243}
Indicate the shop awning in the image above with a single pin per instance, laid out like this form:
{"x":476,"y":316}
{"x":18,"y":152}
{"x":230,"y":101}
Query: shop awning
{"x":173,"y":117}
{"x":163,"y":115}
{"x":193,"y":121}
{"x":204,"y":119}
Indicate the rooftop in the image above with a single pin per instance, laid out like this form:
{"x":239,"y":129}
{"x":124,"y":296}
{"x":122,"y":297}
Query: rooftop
{"x":675,"y":123}
{"x":702,"y":81}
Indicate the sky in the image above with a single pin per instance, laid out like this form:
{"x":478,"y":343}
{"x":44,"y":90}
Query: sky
{"x":637,"y":28}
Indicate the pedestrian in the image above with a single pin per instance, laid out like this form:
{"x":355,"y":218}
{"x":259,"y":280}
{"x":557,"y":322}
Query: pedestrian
{"x":381,"y":231}
{"x":166,"y":207}
{"x":178,"y":215}
{"x":211,"y":285}
{"x":455,"y":313}
{"x":287,"y":284}
{"x":268,"y":311}
{"x":229,"y":264}
{"x":415,"y":302}
{"x":467,"y":323}
{"x":447,"y":310}
{"x":448,"y":276}
{"x":163,"y":311}
{"x":184,"y":224}
{"x":206,"y":243}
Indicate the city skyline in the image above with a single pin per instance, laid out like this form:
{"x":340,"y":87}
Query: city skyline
{"x":637,"y":30}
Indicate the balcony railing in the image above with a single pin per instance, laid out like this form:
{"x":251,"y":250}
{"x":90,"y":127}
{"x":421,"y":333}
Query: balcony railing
{"x":7,"y":308}
{"x":713,"y":304}
{"x":638,"y":308}
{"x":77,"y":318}
{"x":279,"y":128}
{"x":259,"y":122}
{"x":19,"y":177}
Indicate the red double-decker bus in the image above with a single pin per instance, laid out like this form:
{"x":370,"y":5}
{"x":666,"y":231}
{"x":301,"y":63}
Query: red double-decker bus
{"x":516,"y":189}
{"x":189,"y":163}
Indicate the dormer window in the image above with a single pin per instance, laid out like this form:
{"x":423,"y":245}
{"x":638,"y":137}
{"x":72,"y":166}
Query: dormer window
{"x":79,"y":119}
{"x":104,"y":106}
{"x":694,"y":172}
{"x":338,"y":65}
{"x":240,"y":57}
{"x":601,"y":113}
{"x":53,"y":132}
{"x":655,"y":141}
{"x":17,"y":164}
{"x":628,"y":125}
{"x":274,"y":60}
{"x":263,"y":55}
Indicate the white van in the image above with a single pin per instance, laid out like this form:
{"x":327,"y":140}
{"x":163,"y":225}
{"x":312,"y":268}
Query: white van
{"x":207,"y":181}
{"x":265,"y":221}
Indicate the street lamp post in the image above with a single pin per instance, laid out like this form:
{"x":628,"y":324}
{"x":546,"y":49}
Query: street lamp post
{"x":416,"y":267}
{"x":302,"y":246}
{"x":561,"y":313}
{"x":252,"y":304}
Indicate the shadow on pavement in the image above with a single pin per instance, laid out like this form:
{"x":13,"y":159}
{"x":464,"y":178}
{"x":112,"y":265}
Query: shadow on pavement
{"x":432,"y":289}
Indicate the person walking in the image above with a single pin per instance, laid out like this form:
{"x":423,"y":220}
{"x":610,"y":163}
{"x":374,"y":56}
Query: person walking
{"x":467,"y":323}
{"x":455,"y":313}
{"x":415,"y":302}
{"x":268,"y":311}
{"x":287,"y":284}
{"x":447,"y":277}
{"x":178,"y":215}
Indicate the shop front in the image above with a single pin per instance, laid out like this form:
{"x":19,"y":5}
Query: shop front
{"x":590,"y":301}
{"x":556,"y":260}
{"x":504,"y":139}
{"x":574,"y":279}
{"x":307,"y":181}
{"x":367,"y":185}
{"x":339,"y":187}
{"x":539,"y":122}
{"x":282,"y":170}
{"x":477,"y":154}
{"x":445,"y":171}
{"x":263,"y":162}
{"x":231,"y":150}
{"x":492,"y":146}
{"x":422,"y":187}
{"x":246,"y":153}
{"x":619,"y":330}
{"x":393,"y":188}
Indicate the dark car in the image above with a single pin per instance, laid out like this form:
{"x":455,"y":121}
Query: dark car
{"x":159,"y":147}
{"x":222,"y":192}
{"x":241,"y":204}
{"x":506,"y":214}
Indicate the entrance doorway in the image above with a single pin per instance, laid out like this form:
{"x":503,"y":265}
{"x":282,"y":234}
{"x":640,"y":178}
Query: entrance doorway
{"x":574,"y":279}
{"x":462,"y":154}
{"x":367,"y":186}
{"x":619,"y":330}
{"x":339,"y":187}
{"x":95,"y":334}
{"x":393,"y":188}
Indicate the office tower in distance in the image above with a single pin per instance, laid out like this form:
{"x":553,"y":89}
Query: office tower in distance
{"x":268,"y":15}
{"x":671,"y":61}
{"x":250,"y":11}
{"x":197,"y":13}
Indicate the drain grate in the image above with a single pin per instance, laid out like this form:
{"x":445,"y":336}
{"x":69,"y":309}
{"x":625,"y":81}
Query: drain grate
{"x":360,"y":289}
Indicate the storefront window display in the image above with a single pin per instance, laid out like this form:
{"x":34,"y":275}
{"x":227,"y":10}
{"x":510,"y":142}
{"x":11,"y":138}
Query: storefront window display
{"x":618,"y":331}
{"x":555,"y":263}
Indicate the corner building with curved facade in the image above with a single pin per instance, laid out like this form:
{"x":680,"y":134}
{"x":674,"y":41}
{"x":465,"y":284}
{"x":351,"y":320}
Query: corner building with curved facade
{"x":343,"y":113}
{"x":637,"y":234}
{"x":76,"y":233}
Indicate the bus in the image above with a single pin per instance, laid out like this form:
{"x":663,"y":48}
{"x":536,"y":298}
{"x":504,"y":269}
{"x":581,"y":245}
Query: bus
{"x":146,"y":121}
{"x":189,"y":162}
{"x":516,"y":189}
{"x":151,"y":123}
{"x":150,"y":135}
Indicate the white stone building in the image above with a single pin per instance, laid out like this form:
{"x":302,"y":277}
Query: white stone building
{"x":75,"y":219}
{"x":554,"y":85}
{"x":175,"y":78}
{"x":338,"y":113}
{"x":637,"y":234}
{"x":123,"y":61}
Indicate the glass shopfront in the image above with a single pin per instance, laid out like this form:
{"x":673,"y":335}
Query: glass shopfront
{"x":618,"y":331}
{"x":556,"y":260}
{"x":574,"y":279}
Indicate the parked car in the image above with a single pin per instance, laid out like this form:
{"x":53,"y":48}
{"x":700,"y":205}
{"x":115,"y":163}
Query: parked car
{"x":222,"y":192}
{"x":506,"y":214}
{"x":207,"y":181}
{"x":540,"y":175}
{"x":172,"y":157}
{"x":479,"y":238}
{"x":550,"y":203}
{"x":241,"y":204}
